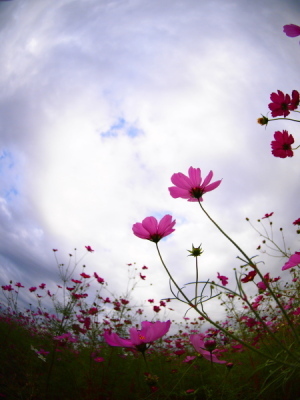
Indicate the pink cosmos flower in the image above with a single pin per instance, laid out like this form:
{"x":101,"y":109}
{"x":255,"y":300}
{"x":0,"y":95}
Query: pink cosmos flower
{"x":139,"y":339}
{"x":282,"y":144}
{"x":268,"y":215}
{"x":291,"y":30}
{"x":152,"y":230}
{"x":297,"y":222}
{"x":85,"y":276}
{"x":280,"y":105}
{"x":199,"y":346}
{"x":99,"y":359}
{"x":223,"y":279}
{"x":295,"y":100}
{"x":89,"y":249}
{"x":251,"y":275}
{"x":293,"y":261}
{"x":191,"y":187}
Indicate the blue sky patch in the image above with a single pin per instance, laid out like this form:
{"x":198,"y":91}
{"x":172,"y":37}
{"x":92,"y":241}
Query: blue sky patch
{"x":121,"y":126}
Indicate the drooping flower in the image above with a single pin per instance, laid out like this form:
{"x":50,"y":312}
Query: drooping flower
{"x":223,"y":279}
{"x":281,"y":104}
{"x":191,"y":187}
{"x":199,"y":346}
{"x":293,"y":261}
{"x":153,"y":230}
{"x":291,"y":30}
{"x":281,"y":146}
{"x":139,"y":339}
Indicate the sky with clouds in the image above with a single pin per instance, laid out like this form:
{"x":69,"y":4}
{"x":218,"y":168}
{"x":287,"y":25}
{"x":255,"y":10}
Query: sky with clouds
{"x":101,"y":101}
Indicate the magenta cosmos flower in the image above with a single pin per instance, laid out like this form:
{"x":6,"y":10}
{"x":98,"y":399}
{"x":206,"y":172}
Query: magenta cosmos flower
{"x":282,"y":145}
{"x":294,"y":260}
{"x":199,"y":346}
{"x":152,"y":230}
{"x":139,"y":339}
{"x":191,"y":187}
{"x":291,"y":30}
{"x":223,"y":279}
{"x":280,"y":104}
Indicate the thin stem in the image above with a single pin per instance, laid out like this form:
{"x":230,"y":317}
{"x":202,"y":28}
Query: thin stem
{"x":171,"y":277}
{"x":215,"y":324}
{"x":196,"y":285}
{"x":258,"y":271}
{"x":286,"y":119}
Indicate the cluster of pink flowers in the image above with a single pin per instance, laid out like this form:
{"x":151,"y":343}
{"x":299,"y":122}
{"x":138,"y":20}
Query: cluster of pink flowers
{"x":281,"y":106}
{"x":141,"y":340}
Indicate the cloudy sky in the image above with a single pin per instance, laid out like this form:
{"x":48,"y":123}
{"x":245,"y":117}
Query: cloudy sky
{"x":101,"y":101}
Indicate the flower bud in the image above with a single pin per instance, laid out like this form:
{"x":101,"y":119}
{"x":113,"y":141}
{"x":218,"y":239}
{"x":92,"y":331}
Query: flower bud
{"x":262,"y":120}
{"x":196,"y":251}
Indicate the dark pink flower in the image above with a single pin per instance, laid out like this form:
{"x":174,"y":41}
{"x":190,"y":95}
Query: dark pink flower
{"x":280,"y":105}
{"x":99,"y":359}
{"x":32,"y":289}
{"x":295,"y":100}
{"x":150,"y":229}
{"x":139,"y":339}
{"x":89,"y":249}
{"x":281,"y":146}
{"x":99,"y":279}
{"x":85,"y":276}
{"x":297,"y":222}
{"x":199,"y":346}
{"x":268,"y":215}
{"x":156,"y":309}
{"x":76,"y":281}
{"x":293,"y":261}
{"x":291,"y":30}
{"x":251,"y":275}
{"x":143,"y":277}
{"x":223,"y":279}
{"x":191,"y":187}
{"x":9,"y":288}
{"x":261,"y":286}
{"x":42,"y":286}
{"x":19,"y":285}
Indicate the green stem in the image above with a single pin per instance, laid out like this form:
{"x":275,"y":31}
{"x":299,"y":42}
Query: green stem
{"x":251,"y":264}
{"x":227,"y":333}
{"x":196,"y":285}
{"x":286,"y":119}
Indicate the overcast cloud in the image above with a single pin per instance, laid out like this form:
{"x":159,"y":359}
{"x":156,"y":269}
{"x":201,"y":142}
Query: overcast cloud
{"x":101,"y":101}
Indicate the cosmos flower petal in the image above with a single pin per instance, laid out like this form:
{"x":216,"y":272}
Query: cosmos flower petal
{"x":152,"y":230}
{"x":190,"y":187}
